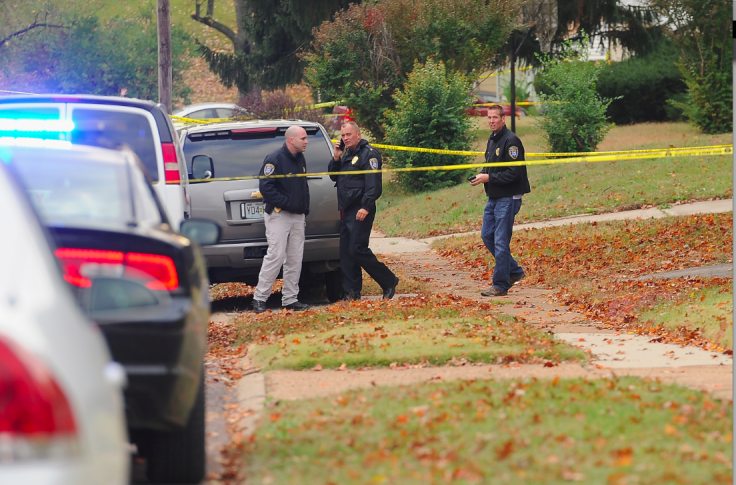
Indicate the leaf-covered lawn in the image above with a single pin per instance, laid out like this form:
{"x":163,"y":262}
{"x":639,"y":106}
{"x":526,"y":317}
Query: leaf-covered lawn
{"x":415,"y":341}
{"x":708,"y":310}
{"x":223,"y":291}
{"x":619,"y":431}
{"x":592,"y":266}
{"x":427,"y":329}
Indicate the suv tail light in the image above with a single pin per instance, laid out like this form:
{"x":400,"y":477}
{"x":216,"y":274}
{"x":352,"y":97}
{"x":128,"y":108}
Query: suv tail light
{"x":36,"y":419}
{"x":171,"y":164}
{"x":81,"y":264}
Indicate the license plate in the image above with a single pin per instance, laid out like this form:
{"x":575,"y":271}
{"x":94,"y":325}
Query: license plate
{"x":251,"y":210}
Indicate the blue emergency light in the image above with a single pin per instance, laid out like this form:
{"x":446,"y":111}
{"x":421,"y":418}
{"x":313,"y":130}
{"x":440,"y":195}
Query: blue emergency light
{"x":26,"y":132}
{"x":35,"y":126}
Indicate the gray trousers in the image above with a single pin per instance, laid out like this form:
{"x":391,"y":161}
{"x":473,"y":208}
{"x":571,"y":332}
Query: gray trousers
{"x":285,"y":235}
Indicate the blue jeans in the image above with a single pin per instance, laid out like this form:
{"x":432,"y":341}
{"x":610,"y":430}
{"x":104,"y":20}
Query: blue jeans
{"x":498,"y":224}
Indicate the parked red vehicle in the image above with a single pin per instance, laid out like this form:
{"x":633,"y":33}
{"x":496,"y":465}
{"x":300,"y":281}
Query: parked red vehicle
{"x":483,"y":110}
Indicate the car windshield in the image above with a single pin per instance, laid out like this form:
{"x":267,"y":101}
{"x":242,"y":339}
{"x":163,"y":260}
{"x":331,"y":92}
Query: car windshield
{"x":78,"y":193}
{"x":115,"y":129}
{"x":241,"y":155}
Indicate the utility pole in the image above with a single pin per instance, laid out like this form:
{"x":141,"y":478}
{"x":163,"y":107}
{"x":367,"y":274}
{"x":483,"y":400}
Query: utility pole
{"x":164,"y":53}
{"x":513,"y":84}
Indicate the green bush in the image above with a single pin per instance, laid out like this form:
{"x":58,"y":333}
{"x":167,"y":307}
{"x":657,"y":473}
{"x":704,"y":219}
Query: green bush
{"x":430,"y":113}
{"x":90,"y":57}
{"x":702,"y":31}
{"x":574,"y":113}
{"x":644,"y":86}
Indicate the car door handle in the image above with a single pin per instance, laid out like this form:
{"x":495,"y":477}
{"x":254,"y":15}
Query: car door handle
{"x":314,"y":178}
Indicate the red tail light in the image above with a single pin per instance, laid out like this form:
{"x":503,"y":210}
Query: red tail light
{"x":171,"y":164}
{"x":79,"y":264}
{"x":32,"y":404}
{"x":160,"y":267}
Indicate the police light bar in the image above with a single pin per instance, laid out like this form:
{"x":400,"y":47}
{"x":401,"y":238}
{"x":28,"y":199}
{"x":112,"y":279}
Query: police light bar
{"x":9,"y":141}
{"x":30,"y":125}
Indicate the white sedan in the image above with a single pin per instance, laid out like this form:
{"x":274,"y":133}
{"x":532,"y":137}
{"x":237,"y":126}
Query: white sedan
{"x":61,"y":414}
{"x":209,"y":111}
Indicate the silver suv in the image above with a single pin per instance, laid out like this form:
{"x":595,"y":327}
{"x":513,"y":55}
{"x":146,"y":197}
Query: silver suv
{"x":236,"y":149}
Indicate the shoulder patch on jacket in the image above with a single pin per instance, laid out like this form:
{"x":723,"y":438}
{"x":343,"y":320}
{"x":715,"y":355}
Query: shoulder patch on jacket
{"x":514,"y":152}
{"x":374,"y":163}
{"x":269,"y":169}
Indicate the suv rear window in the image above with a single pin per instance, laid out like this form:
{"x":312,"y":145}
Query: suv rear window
{"x":242,"y":154}
{"x":114,"y":129}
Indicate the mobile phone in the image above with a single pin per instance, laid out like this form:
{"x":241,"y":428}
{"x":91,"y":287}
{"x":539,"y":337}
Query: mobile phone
{"x":471,"y":178}
{"x":341,"y":145}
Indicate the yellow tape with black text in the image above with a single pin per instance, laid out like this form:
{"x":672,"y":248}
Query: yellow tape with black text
{"x":685,"y":152}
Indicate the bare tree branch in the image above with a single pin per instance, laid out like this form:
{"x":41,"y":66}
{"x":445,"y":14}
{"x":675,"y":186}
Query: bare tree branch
{"x":34,"y":25}
{"x":222,"y":28}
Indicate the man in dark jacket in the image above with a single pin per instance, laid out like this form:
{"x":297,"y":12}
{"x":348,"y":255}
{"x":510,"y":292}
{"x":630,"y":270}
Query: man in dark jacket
{"x":356,"y":200}
{"x":504,"y":187}
{"x":286,"y":206}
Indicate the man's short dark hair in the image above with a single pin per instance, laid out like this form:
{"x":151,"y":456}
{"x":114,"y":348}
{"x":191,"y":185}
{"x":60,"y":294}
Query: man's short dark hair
{"x":499,"y":108}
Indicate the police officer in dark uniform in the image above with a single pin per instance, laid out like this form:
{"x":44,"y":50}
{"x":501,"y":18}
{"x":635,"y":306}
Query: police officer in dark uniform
{"x":356,"y":199}
{"x":504,"y":187}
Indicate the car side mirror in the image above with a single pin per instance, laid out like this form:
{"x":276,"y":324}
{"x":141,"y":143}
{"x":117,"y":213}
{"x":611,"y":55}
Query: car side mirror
{"x":202,"y":167}
{"x":200,"y":231}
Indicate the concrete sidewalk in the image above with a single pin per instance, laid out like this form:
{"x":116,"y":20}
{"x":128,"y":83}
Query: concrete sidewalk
{"x":396,"y":245}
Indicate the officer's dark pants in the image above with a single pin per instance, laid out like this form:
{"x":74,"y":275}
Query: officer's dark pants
{"x":354,"y":254}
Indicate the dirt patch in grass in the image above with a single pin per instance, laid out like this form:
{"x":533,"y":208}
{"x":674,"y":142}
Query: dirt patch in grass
{"x":626,"y":430}
{"x":427,"y":341}
{"x":589,"y":265}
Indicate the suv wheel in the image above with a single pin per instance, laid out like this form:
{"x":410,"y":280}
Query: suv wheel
{"x":333,"y":285}
{"x":178,"y":456}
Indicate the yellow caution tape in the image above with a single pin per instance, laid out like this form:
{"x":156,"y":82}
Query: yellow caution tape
{"x":204,"y":122}
{"x":693,"y":152}
{"x":518,"y":103}
{"x":622,"y":152}
{"x":569,"y":154}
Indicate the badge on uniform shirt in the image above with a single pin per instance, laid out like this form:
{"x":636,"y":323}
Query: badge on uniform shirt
{"x":374,"y":163}
{"x":304,"y":169}
{"x":498,"y":151}
{"x":514,"y":152}
{"x":269,"y":169}
{"x":355,"y":159}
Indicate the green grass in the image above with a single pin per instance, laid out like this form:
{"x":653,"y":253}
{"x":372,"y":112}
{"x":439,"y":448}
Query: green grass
{"x":709,"y":310}
{"x":414,"y":341}
{"x":620,"y":431}
{"x":569,"y":189}
{"x":181,"y":11}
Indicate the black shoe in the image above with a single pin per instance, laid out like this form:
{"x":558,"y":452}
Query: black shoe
{"x":297,"y":306}
{"x":389,"y":293}
{"x":517,"y":278}
{"x":259,"y":306}
{"x":494,"y":291}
